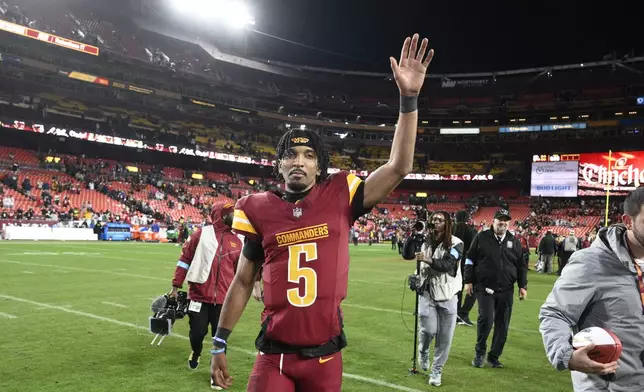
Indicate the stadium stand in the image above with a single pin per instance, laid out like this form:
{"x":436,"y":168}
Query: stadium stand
{"x":149,"y":87}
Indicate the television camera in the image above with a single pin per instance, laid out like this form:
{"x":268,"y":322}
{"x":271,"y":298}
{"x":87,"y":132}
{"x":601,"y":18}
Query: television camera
{"x":166,"y":311}
{"x":414,"y":242}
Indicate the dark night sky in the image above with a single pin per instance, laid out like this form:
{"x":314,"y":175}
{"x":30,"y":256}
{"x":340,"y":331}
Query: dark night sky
{"x":473,"y":36}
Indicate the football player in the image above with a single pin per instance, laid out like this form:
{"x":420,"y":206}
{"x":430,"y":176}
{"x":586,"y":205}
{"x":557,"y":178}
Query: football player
{"x":299,"y":238}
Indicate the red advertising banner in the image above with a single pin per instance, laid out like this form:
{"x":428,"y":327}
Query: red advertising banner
{"x":49,"y":38}
{"x":621,"y":174}
{"x":88,"y":78}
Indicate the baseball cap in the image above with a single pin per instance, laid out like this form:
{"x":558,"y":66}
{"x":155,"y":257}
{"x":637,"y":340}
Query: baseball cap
{"x":299,"y":137}
{"x":502,"y":214}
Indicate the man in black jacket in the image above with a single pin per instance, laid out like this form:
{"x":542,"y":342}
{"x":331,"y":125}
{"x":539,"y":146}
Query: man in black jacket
{"x":547,"y":250}
{"x":494,"y":264}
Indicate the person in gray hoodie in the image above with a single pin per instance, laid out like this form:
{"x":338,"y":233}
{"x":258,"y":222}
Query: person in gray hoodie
{"x":602,"y":286}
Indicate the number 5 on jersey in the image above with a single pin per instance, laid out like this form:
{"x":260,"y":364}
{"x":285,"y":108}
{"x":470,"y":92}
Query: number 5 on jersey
{"x":296,"y":273}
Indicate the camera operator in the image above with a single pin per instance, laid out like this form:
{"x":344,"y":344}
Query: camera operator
{"x":437,"y":303}
{"x":208,"y":261}
{"x":494,"y":264}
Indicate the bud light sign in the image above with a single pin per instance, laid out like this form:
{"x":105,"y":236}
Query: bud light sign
{"x":554,"y":179}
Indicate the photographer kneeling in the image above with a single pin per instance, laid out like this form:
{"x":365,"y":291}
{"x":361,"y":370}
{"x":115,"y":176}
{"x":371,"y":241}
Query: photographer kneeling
{"x":440,"y":273}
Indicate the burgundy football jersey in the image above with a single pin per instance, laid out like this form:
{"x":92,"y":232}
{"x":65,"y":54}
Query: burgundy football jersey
{"x":306,"y":258}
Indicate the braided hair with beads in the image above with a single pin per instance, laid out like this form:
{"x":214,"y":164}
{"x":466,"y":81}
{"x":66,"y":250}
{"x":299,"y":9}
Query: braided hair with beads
{"x":299,"y":137}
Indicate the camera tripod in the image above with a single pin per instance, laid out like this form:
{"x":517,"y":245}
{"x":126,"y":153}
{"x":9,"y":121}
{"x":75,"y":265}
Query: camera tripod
{"x":413,"y":370}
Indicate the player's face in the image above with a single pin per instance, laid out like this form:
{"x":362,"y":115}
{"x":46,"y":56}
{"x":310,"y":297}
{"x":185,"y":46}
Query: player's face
{"x":438,"y":220}
{"x":299,"y":167}
{"x":500,"y":226}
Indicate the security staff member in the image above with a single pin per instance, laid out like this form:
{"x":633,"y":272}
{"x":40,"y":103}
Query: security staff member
{"x":494,"y":264}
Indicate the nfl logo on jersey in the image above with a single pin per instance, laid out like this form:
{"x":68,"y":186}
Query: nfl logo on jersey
{"x":297,"y":212}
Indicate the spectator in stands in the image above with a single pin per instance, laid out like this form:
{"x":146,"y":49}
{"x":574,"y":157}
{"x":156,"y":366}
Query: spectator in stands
{"x":570,"y":246}
{"x":11,"y":181}
{"x":547,"y":248}
{"x":208,"y":261}
{"x":466,"y":233}
{"x":596,"y":290}
{"x":7,"y":202}
{"x":494,"y":264}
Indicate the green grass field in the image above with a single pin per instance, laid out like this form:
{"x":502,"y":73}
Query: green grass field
{"x":74,"y":317}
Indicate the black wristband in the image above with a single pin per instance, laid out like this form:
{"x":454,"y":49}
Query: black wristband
{"x":408,"y":104}
{"x":221,"y":337}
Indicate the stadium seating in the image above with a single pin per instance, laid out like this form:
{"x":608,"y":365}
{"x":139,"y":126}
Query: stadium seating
{"x":253,"y":134}
{"x":78,"y":194}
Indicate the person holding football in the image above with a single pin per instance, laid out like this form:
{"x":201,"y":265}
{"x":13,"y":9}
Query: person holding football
{"x":299,"y":239}
{"x":601,"y":286}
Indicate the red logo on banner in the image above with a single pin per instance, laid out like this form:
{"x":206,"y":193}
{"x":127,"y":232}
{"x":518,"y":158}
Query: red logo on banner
{"x":623,"y":172}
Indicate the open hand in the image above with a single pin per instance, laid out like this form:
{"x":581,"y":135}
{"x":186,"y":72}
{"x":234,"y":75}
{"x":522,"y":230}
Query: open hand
{"x":410,"y":71}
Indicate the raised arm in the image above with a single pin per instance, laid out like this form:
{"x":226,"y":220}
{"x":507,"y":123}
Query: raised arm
{"x":410,"y":76}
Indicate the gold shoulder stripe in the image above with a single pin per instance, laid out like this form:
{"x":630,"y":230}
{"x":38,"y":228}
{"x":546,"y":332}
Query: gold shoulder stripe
{"x":241,"y":222}
{"x":353,"y":182}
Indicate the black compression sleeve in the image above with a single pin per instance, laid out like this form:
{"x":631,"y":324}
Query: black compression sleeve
{"x":357,"y":205}
{"x":253,"y":250}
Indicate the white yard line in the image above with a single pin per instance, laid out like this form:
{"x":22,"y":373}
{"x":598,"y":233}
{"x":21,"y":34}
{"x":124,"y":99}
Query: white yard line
{"x":374,"y":308}
{"x":114,"y":304}
{"x":95,"y":247}
{"x":61,"y":267}
{"x":66,"y":306}
{"x":7,"y":315}
{"x":356,"y":377}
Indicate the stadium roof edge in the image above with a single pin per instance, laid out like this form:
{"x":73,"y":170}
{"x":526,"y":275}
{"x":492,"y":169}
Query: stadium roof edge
{"x":466,"y":75}
{"x":273,"y":66}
